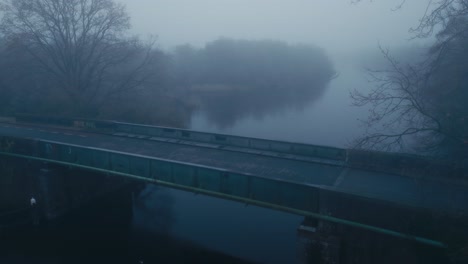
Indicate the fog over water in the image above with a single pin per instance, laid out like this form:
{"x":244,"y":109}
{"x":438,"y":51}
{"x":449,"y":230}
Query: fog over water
{"x":327,"y":120}
{"x":341,"y":28}
{"x":349,"y":34}
{"x":336,"y":25}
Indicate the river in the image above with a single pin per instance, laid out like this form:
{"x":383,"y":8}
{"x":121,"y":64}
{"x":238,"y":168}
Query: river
{"x":253,"y":233}
{"x":211,"y":229}
{"x":327,"y":120}
{"x":260,"y":234}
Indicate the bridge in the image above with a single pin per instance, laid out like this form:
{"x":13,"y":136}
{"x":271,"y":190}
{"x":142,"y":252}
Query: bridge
{"x":367,"y":190}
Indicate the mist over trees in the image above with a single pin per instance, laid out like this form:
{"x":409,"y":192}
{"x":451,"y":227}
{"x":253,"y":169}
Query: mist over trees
{"x":230,"y":79}
{"x":77,"y":58}
{"x":422,"y":104}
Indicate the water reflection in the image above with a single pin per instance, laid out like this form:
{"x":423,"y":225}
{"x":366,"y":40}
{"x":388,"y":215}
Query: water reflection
{"x":325,"y":118}
{"x":231,"y":79}
{"x":154,"y":211}
{"x":225,"y":106}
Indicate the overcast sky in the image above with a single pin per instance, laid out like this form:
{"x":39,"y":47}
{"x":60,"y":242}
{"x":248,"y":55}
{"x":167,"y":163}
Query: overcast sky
{"x":332,"y":24}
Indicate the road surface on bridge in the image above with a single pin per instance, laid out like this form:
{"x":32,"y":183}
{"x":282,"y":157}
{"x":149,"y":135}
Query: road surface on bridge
{"x":402,"y":190}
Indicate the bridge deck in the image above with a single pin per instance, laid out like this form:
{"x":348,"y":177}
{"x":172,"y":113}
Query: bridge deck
{"x":428,"y":194}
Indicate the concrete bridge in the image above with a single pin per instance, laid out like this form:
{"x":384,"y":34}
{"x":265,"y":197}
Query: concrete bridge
{"x":379,"y":192}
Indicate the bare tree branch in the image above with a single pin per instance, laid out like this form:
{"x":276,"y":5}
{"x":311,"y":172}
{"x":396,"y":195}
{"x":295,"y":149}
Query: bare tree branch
{"x":80,"y":43}
{"x":421,"y":104}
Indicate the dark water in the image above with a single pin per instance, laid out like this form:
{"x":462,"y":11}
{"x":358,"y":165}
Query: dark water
{"x":160,"y":225}
{"x":105,"y":232}
{"x":246,"y":231}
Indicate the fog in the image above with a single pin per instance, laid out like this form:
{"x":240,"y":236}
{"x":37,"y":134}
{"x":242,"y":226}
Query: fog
{"x":231,"y":60}
{"x":270,"y":69}
{"x":337,"y":25}
{"x":349,"y":34}
{"x":223,"y":62}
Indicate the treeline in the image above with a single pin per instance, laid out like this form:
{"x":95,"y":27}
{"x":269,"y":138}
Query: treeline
{"x":260,"y":64}
{"x":123,"y":91}
{"x":230,"y":79}
{"x":76,"y":58}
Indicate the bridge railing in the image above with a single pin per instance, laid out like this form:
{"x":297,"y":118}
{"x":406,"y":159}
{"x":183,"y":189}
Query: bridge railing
{"x":314,"y":151}
{"x":396,"y":163}
{"x":234,"y":141}
{"x":409,"y":165}
{"x":90,"y":124}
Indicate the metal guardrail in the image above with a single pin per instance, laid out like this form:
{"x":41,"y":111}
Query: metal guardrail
{"x":235,"y":141}
{"x":409,"y":165}
{"x":183,"y":134}
{"x":396,"y":163}
{"x":277,"y":194}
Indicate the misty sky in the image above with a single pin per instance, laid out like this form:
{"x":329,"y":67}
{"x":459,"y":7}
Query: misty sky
{"x":333,"y":24}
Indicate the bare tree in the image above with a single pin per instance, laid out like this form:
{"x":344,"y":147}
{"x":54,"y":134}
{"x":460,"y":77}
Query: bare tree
{"x":439,"y":13}
{"x":79,"y":44}
{"x":423,"y":102}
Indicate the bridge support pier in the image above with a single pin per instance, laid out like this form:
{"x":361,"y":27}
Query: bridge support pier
{"x":57,"y":190}
{"x":60,"y":189}
{"x":318,"y":243}
{"x":50,"y":192}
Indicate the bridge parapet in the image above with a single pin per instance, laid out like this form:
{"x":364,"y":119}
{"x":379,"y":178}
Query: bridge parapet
{"x":408,"y":165}
{"x":236,"y":141}
{"x":184,"y":134}
{"x":394,"y":163}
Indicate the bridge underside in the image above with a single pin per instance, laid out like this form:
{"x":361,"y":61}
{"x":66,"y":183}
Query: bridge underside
{"x":299,"y":185}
